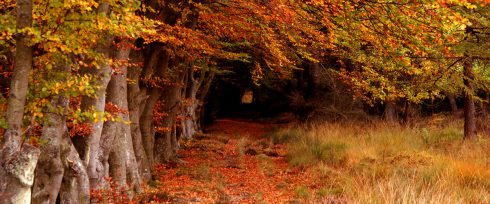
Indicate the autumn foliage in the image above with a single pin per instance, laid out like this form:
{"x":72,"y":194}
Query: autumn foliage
{"x":100,"y":100}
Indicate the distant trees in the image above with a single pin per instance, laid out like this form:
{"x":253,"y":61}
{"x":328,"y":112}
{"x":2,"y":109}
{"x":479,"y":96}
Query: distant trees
{"x":411,"y":50}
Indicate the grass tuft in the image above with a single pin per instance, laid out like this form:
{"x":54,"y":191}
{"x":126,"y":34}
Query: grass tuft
{"x":283,"y":135}
{"x":378,"y":163}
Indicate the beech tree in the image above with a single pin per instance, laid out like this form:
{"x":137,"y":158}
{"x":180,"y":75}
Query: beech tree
{"x":18,"y":161}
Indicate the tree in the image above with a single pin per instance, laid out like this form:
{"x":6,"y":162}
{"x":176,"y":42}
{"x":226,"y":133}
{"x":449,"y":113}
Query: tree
{"x":18,"y":160}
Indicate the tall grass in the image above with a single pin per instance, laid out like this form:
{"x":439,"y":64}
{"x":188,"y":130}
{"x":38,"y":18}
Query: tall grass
{"x":380,"y":163}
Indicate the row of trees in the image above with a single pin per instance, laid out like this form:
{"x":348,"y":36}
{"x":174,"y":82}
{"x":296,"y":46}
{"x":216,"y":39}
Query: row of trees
{"x":419,"y":51}
{"x":92,"y":89}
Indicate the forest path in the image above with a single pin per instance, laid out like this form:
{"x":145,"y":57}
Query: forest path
{"x":233,"y":163}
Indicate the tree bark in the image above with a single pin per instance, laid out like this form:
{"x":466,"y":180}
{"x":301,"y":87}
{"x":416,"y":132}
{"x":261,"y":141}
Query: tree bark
{"x":189,"y":118}
{"x":97,"y":104}
{"x":314,"y":71}
{"x":49,"y":172}
{"x":390,"y":112}
{"x":469,"y":103}
{"x":18,"y":162}
{"x":117,"y":160}
{"x":166,"y":143}
{"x":146,"y":120}
{"x":133,"y":176}
{"x":406,"y":112}
{"x":89,"y":146}
{"x":452,"y":102}
{"x":107,"y":138}
{"x":147,"y":129}
{"x":195,"y":93}
{"x":484,"y":104}
{"x":200,"y":111}
{"x":122,"y":158}
{"x":20,"y":80}
{"x":20,"y":175}
{"x":75,"y":187}
{"x":110,"y":157}
{"x":135,"y":99}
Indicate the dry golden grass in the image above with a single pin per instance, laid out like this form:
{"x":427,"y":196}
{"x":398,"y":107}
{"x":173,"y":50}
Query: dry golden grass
{"x":427,"y":162}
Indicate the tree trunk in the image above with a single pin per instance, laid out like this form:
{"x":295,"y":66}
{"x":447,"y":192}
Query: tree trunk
{"x":97,"y":104}
{"x":75,"y":187}
{"x":189,"y":118}
{"x":483,"y":105}
{"x":166,"y":143}
{"x":195,"y":93}
{"x":146,"y":120}
{"x":135,"y":99}
{"x":122,"y":158}
{"x":452,"y":102}
{"x":469,"y":104}
{"x":49,"y":172}
{"x":390,"y":114}
{"x":406,"y":112}
{"x":133,"y":176}
{"x":200,"y":110}
{"x":107,"y":138}
{"x":314,"y":74}
{"x":18,"y":163}
{"x":20,"y":80}
{"x":20,"y":175}
{"x":189,"y":122}
{"x":89,"y":146}
{"x":163,"y":142}
{"x":117,"y":160}
{"x":147,"y":129}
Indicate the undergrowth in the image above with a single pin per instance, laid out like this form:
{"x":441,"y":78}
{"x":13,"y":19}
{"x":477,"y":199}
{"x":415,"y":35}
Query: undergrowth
{"x":380,"y":163}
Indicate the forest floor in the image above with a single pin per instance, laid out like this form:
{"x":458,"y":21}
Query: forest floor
{"x":233,"y":163}
{"x":243,"y":161}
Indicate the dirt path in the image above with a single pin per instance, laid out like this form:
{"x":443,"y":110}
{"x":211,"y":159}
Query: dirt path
{"x":233,"y":164}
